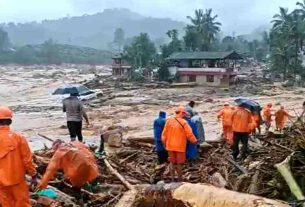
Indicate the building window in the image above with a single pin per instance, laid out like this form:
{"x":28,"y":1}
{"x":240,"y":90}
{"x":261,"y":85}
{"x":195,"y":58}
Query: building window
{"x":192,"y":78}
{"x":210,"y":78}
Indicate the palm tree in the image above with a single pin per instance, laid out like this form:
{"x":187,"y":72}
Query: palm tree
{"x":197,"y":20}
{"x":206,"y":27}
{"x":211,"y":26}
{"x":288,"y":35}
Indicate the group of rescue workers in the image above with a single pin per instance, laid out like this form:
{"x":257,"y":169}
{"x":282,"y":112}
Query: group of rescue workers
{"x":16,"y":160}
{"x":176,"y":139}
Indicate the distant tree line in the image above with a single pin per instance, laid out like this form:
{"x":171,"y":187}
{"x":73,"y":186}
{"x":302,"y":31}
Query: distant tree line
{"x":49,"y":53}
{"x":202,"y":34}
{"x":287,"y":38}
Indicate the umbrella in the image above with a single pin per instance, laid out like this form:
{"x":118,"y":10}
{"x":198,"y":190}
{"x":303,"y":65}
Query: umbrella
{"x":248,"y":103}
{"x":71,"y":89}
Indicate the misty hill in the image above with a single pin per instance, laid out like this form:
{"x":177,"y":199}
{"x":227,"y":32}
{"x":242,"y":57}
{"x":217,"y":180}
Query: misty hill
{"x":257,"y":33}
{"x":53,"y":53}
{"x":91,"y":30}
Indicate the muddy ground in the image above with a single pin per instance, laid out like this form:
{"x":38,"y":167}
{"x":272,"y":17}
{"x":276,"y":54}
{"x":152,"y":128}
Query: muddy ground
{"x":28,"y":90}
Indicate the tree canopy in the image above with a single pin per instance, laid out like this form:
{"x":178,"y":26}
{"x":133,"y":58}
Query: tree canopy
{"x":286,"y":41}
{"x":201,"y":33}
{"x":141,"y":52}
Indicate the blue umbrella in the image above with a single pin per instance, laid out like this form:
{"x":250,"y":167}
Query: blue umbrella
{"x":71,"y":89}
{"x":248,"y":103}
{"x":239,"y":100}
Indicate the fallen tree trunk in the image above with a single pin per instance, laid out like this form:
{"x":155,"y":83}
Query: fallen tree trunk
{"x":118,"y":175}
{"x":243,"y":170}
{"x":284,"y":169}
{"x":192,"y":195}
{"x":149,"y":140}
{"x":254,"y":182}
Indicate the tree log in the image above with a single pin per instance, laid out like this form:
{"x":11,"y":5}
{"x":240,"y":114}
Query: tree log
{"x":192,"y":195}
{"x":254,"y":182}
{"x":149,"y":140}
{"x":284,"y":169}
{"x":45,"y":137}
{"x":118,"y":175}
{"x":243,"y":170}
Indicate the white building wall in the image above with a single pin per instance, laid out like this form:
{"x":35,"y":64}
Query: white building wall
{"x":202,"y":80}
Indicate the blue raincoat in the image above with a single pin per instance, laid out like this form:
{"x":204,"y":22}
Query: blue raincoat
{"x":159,"y":124}
{"x":192,"y":149}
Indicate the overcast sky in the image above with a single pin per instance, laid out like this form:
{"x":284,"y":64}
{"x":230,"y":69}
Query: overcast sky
{"x":235,"y":15}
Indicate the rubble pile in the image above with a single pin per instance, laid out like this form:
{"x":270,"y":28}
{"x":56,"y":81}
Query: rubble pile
{"x":267,"y":171}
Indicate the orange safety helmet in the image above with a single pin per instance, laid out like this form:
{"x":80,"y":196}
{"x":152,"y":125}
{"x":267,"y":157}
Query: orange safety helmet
{"x":5,"y":113}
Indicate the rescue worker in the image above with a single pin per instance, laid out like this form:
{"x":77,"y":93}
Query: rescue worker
{"x":191,"y":149}
{"x":198,"y":121}
{"x":241,"y":124}
{"x":15,"y":162}
{"x":159,"y":124}
{"x":75,"y":112}
{"x":267,"y":116}
{"x":175,"y":135}
{"x":76,"y":161}
{"x":256,"y":122}
{"x":281,"y":117}
{"x":190,"y":108}
{"x":226,"y":116}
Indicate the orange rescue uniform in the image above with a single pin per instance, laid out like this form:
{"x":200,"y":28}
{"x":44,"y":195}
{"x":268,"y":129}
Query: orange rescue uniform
{"x":76,"y":161}
{"x":242,"y":120}
{"x":281,"y":117}
{"x":174,"y":136}
{"x":267,"y":115}
{"x":15,"y":161}
{"x":226,"y":115}
{"x":255,"y":122}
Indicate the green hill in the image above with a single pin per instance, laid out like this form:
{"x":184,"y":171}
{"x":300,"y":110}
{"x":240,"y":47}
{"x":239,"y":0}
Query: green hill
{"x":94,"y":31}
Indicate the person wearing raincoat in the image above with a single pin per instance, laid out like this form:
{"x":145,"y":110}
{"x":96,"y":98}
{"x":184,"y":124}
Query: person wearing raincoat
{"x":174,"y":136}
{"x":191,"y":149}
{"x":226,"y":116}
{"x":159,"y":124}
{"x":76,"y":161}
{"x":190,"y":108}
{"x":198,"y":121}
{"x":15,"y":162}
{"x":281,"y":117}
{"x":241,"y":126}
{"x":267,"y":116}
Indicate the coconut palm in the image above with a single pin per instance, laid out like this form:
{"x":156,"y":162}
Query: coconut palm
{"x":203,"y":29}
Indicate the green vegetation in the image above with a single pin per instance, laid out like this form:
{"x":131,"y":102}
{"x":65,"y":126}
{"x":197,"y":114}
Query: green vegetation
{"x":282,"y":46}
{"x":95,"y":31}
{"x":175,"y":44}
{"x":52,"y":53}
{"x":286,"y":41}
{"x":201,"y":34}
{"x":141,"y":52}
